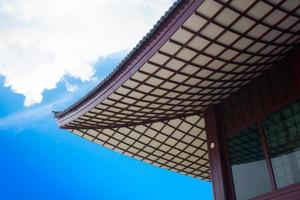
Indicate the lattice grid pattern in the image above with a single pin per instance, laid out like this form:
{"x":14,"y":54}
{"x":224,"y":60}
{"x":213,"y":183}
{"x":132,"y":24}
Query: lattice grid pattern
{"x":221,"y":47}
{"x":179,"y":144}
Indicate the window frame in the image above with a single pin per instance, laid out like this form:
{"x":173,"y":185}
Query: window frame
{"x":291,"y":191}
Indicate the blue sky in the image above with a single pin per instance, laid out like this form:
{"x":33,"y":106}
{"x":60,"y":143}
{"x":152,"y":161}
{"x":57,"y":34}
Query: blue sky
{"x":40,"y":161}
{"x":37,"y":159}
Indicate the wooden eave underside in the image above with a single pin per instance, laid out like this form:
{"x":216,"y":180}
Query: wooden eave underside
{"x":202,"y":53}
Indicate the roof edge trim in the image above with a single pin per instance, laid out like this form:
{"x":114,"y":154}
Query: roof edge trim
{"x":134,"y":124}
{"x":147,"y":47}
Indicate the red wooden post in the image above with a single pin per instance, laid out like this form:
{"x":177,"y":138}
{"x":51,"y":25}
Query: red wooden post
{"x":219,"y":168}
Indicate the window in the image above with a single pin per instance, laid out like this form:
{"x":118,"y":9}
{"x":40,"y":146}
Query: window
{"x":282,"y":130}
{"x":248,"y":164}
{"x":279,"y":135}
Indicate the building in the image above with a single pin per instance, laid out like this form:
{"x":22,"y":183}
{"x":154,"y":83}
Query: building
{"x":213,"y":92}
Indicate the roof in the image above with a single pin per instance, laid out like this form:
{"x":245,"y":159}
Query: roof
{"x":200,"y":53}
{"x":123,"y":63}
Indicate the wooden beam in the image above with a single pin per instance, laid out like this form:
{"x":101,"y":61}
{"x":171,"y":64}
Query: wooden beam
{"x":219,"y":165}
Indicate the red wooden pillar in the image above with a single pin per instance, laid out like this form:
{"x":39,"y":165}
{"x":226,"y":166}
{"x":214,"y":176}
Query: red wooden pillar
{"x":219,"y":168}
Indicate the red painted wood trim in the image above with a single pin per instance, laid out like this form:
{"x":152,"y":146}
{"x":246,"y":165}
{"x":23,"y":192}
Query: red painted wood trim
{"x":263,"y":100}
{"x":291,"y":192}
{"x":236,"y":129}
{"x":267,"y":156}
{"x":219,"y":171}
{"x":151,"y":46}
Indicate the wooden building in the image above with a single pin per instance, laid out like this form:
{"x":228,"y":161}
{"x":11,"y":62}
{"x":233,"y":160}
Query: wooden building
{"x":213,"y":92}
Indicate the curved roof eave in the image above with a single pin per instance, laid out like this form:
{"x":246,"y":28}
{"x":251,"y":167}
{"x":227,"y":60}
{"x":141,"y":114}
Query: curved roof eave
{"x":147,"y":46}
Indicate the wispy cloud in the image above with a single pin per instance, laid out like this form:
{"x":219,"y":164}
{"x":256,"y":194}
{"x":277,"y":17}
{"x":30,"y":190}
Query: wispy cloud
{"x":43,"y":41}
{"x":70,"y":87}
{"x":32,"y":115}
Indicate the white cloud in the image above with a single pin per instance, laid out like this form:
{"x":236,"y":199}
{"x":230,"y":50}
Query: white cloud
{"x":70,"y":87}
{"x":43,"y":41}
